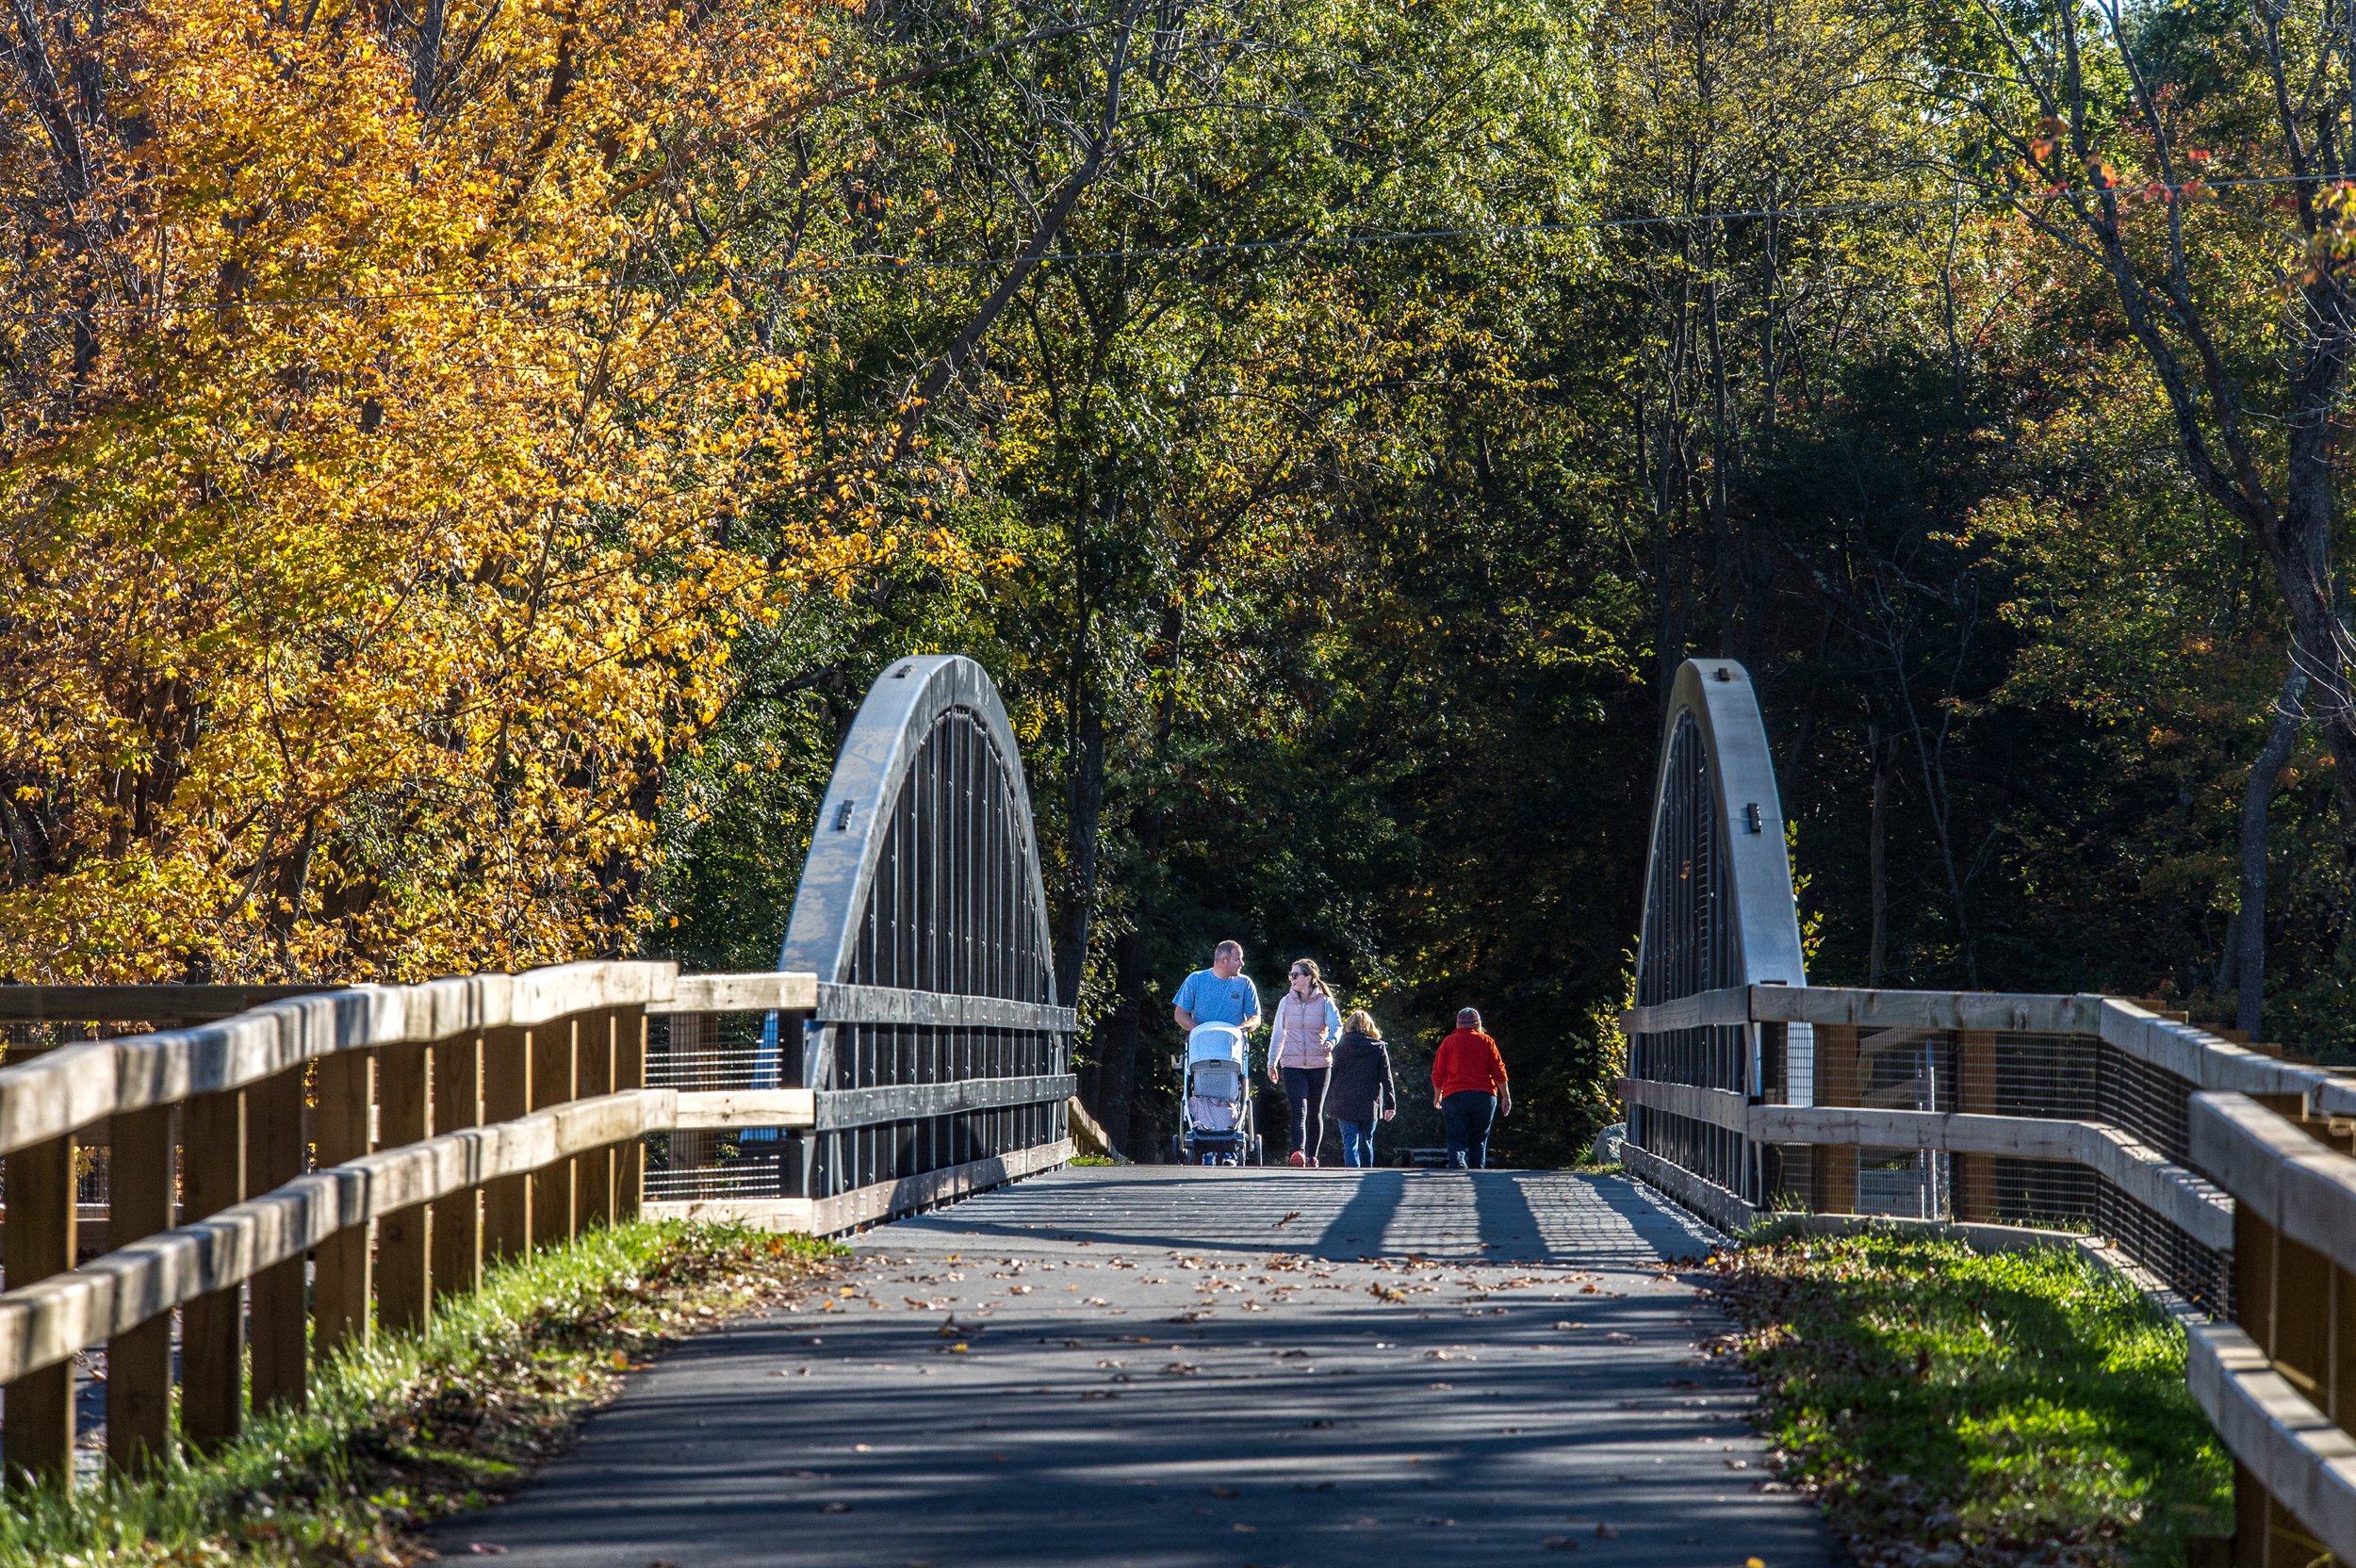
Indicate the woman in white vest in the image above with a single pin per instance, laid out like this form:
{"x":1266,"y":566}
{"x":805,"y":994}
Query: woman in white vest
{"x":1301,"y":1055}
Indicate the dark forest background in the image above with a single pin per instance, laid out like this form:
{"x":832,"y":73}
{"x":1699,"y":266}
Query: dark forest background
{"x":1336,"y":587}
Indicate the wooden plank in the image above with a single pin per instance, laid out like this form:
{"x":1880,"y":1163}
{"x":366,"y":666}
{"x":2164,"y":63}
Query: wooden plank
{"x":46,"y":1323}
{"x":1722,"y":1207}
{"x":2340,"y":1395}
{"x":839,"y":1110}
{"x":1700,"y":1010}
{"x":779,"y":992}
{"x":792,"y":1216}
{"x":1975,"y":1095}
{"x":340,"y":1314}
{"x":706,"y":1109}
{"x":456,"y":1225}
{"x":277,"y":1326}
{"x":1717,"y":1108}
{"x":404,"y":1116}
{"x":552,"y":1084}
{"x":630,"y":1072}
{"x":37,"y":1442}
{"x":1941,"y":1011}
{"x":212,"y":1325}
{"x":138,"y":1004}
{"x":878,"y":1200}
{"x":1837,"y":1065}
{"x":2277,"y":1173}
{"x":2291,"y":1448}
{"x":593,"y":1075}
{"x":939,"y":1009}
{"x":140,"y":1179}
{"x":2169,"y":1189}
{"x":506,"y":1094}
{"x":51,"y":1096}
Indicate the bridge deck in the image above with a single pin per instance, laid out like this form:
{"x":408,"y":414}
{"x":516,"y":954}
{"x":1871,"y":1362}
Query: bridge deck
{"x":1145,"y":1380}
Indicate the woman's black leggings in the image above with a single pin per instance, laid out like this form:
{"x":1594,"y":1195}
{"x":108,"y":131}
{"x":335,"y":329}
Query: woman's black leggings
{"x":1304,"y":1094}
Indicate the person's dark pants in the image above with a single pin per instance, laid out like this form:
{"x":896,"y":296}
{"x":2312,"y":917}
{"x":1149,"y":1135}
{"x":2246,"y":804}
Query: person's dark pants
{"x":1466,"y":1115}
{"x":1358,"y":1145}
{"x":1304,"y":1095}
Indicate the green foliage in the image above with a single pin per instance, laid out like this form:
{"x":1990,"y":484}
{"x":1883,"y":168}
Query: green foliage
{"x":2001,"y":1401}
{"x":408,"y":1427}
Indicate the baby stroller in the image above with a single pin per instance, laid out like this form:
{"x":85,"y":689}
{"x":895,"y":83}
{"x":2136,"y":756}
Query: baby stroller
{"x":1215,"y":1119}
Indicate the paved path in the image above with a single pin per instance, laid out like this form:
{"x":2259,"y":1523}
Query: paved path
{"x":1156,"y":1366}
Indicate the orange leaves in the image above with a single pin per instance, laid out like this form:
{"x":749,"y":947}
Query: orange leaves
{"x":364,"y":509}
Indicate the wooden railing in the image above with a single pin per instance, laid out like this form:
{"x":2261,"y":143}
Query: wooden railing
{"x":2225,"y":1171}
{"x":317,"y":1166}
{"x":2279,"y":1379}
{"x":1963,"y":1106}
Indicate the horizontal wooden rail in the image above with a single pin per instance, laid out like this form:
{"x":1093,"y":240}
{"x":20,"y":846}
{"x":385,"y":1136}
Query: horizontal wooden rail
{"x":2176,"y":1194}
{"x":143,"y":1004}
{"x":780,"y":992}
{"x":45,"y":1322}
{"x":710,"y":1110}
{"x":2304,"y":1189}
{"x":890,"y":1004}
{"x":411,"y":1195}
{"x":74,"y":1085}
{"x":2278,"y":1437}
{"x":2206,"y":1060}
{"x":2275,"y":1381}
{"x":839,"y":1109}
{"x":848,"y":1211}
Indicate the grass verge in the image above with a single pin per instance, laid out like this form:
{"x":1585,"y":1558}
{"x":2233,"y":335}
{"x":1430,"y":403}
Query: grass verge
{"x":1953,"y":1407}
{"x":409,"y":1426}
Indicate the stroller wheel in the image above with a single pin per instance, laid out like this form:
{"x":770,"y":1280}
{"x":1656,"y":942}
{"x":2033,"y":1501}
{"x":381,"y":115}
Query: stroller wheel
{"x":1178,"y":1149}
{"x":1257,"y":1156}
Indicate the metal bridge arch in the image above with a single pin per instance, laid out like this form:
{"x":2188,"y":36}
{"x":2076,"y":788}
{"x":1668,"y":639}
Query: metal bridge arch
{"x":1718,"y":913}
{"x":937,"y":1041}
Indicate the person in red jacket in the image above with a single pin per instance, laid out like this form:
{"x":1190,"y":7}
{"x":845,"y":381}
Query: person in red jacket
{"x":1468,"y":1085}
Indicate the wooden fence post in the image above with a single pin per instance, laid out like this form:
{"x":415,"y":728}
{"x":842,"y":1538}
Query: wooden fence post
{"x":275,"y":1319}
{"x":552,"y":1084}
{"x":212,"y":1327}
{"x":1832,"y":1172}
{"x":404,"y":1116}
{"x":37,"y":1443}
{"x":1975,"y":1095}
{"x":139,"y":1181}
{"x":457,"y":1219}
{"x":630,"y":1072}
{"x":506,"y":1094}
{"x":340,"y":1278}
{"x":593,"y":1075}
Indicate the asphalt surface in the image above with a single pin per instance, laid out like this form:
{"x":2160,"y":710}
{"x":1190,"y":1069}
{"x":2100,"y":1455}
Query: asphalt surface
{"x":1158,"y":1367}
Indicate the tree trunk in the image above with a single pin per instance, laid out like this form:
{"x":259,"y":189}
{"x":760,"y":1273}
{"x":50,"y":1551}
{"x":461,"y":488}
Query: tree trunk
{"x":2250,"y":928}
{"x":1876,"y":856}
{"x":1124,"y":1043}
{"x":1087,"y":794}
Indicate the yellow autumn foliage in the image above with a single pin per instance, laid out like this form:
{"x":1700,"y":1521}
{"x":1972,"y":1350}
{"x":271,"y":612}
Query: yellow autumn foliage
{"x":365,"y":467}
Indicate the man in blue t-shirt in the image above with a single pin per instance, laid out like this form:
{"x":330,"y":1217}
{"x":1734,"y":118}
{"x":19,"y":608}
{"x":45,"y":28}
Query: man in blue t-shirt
{"x":1221,"y":994}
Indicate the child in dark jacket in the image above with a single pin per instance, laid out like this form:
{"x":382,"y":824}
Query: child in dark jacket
{"x":1362,"y":1091}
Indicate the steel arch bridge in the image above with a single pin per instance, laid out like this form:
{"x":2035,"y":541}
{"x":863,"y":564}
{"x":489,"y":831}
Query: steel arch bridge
{"x":1718,"y":913}
{"x":923,"y":913}
{"x":934,"y":1056}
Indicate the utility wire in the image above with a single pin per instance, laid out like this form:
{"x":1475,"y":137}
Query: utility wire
{"x":905,"y":266}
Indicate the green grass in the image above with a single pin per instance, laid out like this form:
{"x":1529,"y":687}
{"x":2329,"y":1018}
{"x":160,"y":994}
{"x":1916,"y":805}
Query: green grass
{"x":409,"y":1426}
{"x":1950,"y":1406}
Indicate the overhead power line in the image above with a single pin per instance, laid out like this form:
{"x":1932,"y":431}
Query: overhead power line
{"x":905,"y":267}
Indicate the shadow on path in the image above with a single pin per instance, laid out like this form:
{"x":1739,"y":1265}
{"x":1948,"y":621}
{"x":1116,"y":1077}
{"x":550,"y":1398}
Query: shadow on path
{"x":1159,"y":1369}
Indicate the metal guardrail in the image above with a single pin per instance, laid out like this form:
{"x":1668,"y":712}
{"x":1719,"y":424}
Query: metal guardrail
{"x":294,"y":1175}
